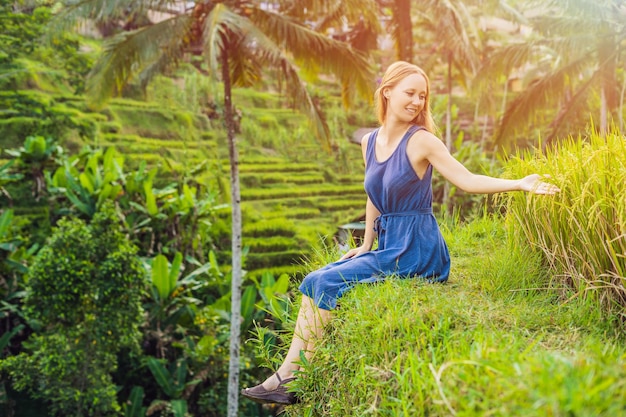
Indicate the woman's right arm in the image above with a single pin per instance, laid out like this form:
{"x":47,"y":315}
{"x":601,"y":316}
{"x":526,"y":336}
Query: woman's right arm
{"x":371,"y":213}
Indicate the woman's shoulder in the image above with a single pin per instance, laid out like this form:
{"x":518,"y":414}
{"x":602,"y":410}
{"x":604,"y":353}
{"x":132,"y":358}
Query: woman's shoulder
{"x":423,"y":135}
{"x":422,"y":143}
{"x":366,"y":137}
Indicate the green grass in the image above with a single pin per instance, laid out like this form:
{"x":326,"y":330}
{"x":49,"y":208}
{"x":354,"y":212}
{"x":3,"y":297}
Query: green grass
{"x":321,"y":190}
{"x":488,"y":343}
{"x":581,"y":231}
{"x":282,"y":167}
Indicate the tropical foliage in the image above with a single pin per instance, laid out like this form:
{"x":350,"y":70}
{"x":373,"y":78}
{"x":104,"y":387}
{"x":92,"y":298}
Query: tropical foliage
{"x":571,"y":62}
{"x":84,"y":315}
{"x":242,"y":38}
{"x":154,"y":162}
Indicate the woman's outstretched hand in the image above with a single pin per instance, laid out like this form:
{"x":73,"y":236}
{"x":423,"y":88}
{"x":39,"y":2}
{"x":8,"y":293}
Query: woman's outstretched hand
{"x":533,"y":184}
{"x":353,"y":253}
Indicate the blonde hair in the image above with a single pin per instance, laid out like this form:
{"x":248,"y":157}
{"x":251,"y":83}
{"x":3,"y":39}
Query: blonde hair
{"x":394,"y":74}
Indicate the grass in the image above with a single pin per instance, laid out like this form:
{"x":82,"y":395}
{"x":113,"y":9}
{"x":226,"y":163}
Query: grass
{"x":581,"y":231}
{"x":282,"y":192}
{"x":488,"y":343}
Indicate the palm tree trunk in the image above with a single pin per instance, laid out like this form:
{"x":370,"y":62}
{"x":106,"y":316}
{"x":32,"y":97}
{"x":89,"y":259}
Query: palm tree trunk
{"x":621,"y":107}
{"x":236,"y":275}
{"x":603,"y":112}
{"x":446,"y":185}
{"x":402,"y":16}
{"x":607,"y":67}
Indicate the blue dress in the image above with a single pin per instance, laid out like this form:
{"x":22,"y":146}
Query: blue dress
{"x":409,"y":240}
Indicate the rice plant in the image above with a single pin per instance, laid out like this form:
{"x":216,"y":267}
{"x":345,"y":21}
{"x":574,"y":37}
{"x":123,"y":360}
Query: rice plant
{"x":581,"y":231}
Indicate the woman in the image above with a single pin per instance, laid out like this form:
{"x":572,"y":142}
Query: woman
{"x":399,"y":160}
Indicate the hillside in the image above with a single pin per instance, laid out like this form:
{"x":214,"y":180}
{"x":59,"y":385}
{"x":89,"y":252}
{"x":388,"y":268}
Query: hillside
{"x":489,"y":342}
{"x":293,"y":190}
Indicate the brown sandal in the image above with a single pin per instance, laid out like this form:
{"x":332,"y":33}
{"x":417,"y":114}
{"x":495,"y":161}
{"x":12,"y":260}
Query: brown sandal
{"x":279,"y":395}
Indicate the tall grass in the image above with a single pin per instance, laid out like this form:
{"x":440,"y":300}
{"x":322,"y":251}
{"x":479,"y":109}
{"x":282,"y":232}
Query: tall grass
{"x":581,"y":231}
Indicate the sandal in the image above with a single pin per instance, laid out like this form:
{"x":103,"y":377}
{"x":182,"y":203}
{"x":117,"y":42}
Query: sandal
{"x":279,"y":395}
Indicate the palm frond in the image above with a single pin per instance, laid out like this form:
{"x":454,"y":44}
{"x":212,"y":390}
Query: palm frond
{"x":75,"y":11}
{"x":572,"y":108}
{"x":599,"y":10}
{"x":512,"y":12}
{"x":132,"y":53}
{"x":254,"y":42}
{"x":244,"y":68}
{"x":454,"y":29}
{"x":213,"y":32}
{"x":310,"y":47}
{"x":468,"y":23}
{"x":536,"y":96}
{"x":552,"y":26}
{"x":505,"y":60}
{"x":295,"y":88}
{"x":331,"y":13}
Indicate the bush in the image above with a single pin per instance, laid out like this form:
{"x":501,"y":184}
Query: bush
{"x":84,"y":300}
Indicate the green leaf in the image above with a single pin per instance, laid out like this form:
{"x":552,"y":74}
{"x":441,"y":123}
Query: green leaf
{"x":108,"y":160}
{"x":35,"y":147}
{"x":133,"y":406}
{"x":206,"y":345}
{"x":150,"y":198}
{"x":59,"y":178}
{"x":6,"y":338}
{"x":282,"y":285}
{"x":160,"y":276}
{"x":175,"y":270}
{"x":247,"y":301}
{"x":5,"y":222}
{"x":202,"y":270}
{"x":179,"y":407}
{"x":181,"y":374}
{"x":189,"y":196}
{"x":162,"y":377}
{"x":214,"y":264}
{"x":83,"y":207}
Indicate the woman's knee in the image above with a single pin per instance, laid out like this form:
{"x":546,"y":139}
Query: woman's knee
{"x":312,"y":280}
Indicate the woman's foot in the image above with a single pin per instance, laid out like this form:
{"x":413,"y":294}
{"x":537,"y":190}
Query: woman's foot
{"x":272,"y":390}
{"x":274,"y":381}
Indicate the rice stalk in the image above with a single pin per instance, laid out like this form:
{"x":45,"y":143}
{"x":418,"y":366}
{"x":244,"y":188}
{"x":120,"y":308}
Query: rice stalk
{"x":581,"y":231}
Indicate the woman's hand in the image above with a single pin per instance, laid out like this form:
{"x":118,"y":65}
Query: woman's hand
{"x":533,"y":184}
{"x":354,"y":252}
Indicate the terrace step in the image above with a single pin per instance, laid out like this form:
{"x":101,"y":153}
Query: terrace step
{"x":320,"y":190}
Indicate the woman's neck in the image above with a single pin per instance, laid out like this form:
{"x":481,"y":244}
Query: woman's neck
{"x":393,"y":130}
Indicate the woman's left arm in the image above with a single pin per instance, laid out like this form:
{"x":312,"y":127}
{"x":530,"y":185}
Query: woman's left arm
{"x":437,"y":154}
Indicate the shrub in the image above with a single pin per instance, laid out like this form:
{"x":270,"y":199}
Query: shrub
{"x":84,"y":299}
{"x":581,"y":231}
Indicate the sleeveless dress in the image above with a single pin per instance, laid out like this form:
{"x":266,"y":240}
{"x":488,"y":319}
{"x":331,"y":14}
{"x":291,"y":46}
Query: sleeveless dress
{"x":409,"y":240}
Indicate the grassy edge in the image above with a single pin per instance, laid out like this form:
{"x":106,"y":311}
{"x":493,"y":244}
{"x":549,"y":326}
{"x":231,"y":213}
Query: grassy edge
{"x":490,"y":342}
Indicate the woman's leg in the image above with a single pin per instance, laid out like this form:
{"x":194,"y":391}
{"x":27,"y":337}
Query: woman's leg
{"x":309,"y":327}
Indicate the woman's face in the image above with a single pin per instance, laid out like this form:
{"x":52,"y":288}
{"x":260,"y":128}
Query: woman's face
{"x":407,"y":98}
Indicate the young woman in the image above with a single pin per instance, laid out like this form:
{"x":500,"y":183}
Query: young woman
{"x":399,"y":160}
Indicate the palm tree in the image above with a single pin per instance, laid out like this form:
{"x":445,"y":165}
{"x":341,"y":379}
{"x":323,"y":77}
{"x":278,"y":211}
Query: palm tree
{"x":239,"y":40}
{"x":400,"y":26}
{"x":570,"y":59}
{"x":452,"y":36}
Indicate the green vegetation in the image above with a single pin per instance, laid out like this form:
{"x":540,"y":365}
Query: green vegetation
{"x":84,"y":315}
{"x":492,"y":341}
{"x":518,"y":330}
{"x":581,"y":232}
